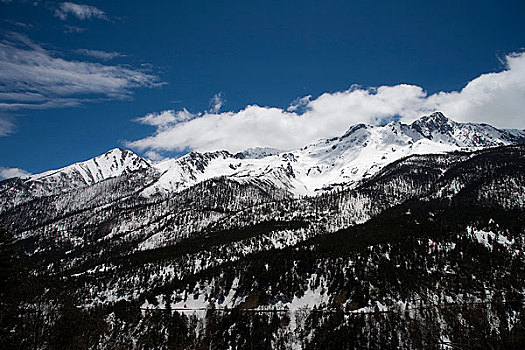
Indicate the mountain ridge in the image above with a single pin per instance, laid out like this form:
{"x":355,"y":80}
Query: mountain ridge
{"x":326,"y":164}
{"x":341,"y":161}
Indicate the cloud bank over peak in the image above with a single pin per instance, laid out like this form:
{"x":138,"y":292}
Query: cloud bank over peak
{"x":493,"y":98}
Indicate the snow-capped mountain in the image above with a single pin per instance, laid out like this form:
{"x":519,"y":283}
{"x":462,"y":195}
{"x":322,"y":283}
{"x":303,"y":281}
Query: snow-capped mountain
{"x":439,"y":128}
{"x":113,"y":163}
{"x":326,"y":164}
{"x":342,"y":161}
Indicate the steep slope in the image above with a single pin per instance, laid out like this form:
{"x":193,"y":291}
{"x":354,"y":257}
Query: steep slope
{"x":114,"y":163}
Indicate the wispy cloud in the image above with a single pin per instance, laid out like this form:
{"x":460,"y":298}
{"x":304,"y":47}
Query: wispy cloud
{"x":7,"y":173}
{"x":299,"y":104}
{"x":216,"y":102}
{"x":73,"y":29}
{"x":80,"y":11}
{"x":166,"y":118}
{"x":21,"y":96}
{"x":102,"y":55}
{"x":494,"y":98}
{"x":32,"y":77}
{"x":19,"y":24}
{"x":154,"y":156}
{"x":6,"y":127}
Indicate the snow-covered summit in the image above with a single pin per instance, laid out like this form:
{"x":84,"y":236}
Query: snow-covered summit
{"x":257,"y":153}
{"x":113,"y":163}
{"x":438,"y":127}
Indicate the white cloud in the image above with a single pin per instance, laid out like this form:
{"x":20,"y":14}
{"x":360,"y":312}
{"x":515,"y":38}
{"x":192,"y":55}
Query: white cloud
{"x":6,"y":127}
{"x":21,"y":96}
{"x":216,"y":102}
{"x":299,"y":103}
{"x":154,"y":156}
{"x":19,"y":24}
{"x":165,"y":118}
{"x":7,"y":173}
{"x":73,"y":29}
{"x":33,"y":78}
{"x":82,"y":12}
{"x":494,"y":98}
{"x":102,"y":55}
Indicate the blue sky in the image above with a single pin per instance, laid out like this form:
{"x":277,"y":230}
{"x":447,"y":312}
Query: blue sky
{"x":80,"y":78}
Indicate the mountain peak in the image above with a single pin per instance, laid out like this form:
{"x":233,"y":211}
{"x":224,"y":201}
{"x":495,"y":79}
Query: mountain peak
{"x":436,"y":118}
{"x":353,"y":129}
{"x":115,"y":162}
{"x":257,"y":153}
{"x":436,"y":122}
{"x":119,"y":152}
